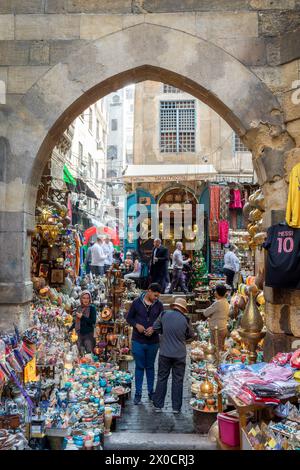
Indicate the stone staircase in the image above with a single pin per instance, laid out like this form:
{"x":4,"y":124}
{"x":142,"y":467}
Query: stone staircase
{"x":167,"y":299}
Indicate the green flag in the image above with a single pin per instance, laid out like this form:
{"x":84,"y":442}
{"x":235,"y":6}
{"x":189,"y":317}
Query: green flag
{"x":68,"y":177}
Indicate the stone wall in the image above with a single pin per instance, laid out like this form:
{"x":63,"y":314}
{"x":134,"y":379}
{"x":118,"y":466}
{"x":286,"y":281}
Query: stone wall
{"x":58,"y":56}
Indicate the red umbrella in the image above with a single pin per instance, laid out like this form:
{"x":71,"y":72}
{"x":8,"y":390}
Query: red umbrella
{"x":106,"y":230}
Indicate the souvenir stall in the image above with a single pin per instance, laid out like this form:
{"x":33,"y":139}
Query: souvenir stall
{"x":56,"y":247}
{"x":228,"y":212}
{"x":246,"y":403}
{"x":264,"y":398}
{"x":113,"y":334}
{"x":50,"y":397}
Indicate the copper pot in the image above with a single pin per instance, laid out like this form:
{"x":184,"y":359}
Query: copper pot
{"x":255,"y":215}
{"x":252,"y":229}
{"x":260,"y":237}
{"x":246,"y":210}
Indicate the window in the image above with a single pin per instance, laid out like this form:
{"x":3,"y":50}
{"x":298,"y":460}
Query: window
{"x":97,"y":172}
{"x":112,"y":152}
{"x":80,"y":153}
{"x":97,"y":130}
{"x":116,"y":99}
{"x":91,"y":119}
{"x":103,"y":137}
{"x":238,"y":144}
{"x":90,"y":163}
{"x":103,"y":176}
{"x":114,"y":124}
{"x":82,"y":115}
{"x":177,"y":126}
{"x":171,"y":89}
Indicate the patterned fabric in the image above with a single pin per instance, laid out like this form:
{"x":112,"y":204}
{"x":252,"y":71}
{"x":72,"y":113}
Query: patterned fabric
{"x":214,"y":195}
{"x":224,"y":207}
{"x":214,"y":215}
{"x":214,"y":230}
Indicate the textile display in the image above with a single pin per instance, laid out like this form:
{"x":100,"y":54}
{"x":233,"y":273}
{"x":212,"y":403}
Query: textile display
{"x":214,"y":197}
{"x":214,"y":230}
{"x":283,"y":260}
{"x":235,"y":199}
{"x":214,"y":215}
{"x":224,"y":198}
{"x":223,"y":232}
{"x":293,"y":203}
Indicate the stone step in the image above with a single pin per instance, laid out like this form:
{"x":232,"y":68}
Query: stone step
{"x":169,"y":298}
{"x":157,"y":441}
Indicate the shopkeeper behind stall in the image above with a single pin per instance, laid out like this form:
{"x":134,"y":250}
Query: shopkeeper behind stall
{"x":218,"y":314}
{"x":84,"y":323}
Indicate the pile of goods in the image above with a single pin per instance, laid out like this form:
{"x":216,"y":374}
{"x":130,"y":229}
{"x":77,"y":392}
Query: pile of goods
{"x":88,"y":395}
{"x":253,"y":212}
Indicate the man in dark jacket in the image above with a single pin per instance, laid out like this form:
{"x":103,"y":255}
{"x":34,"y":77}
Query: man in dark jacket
{"x":175,"y":328}
{"x":159,"y":264}
{"x":145,"y":341}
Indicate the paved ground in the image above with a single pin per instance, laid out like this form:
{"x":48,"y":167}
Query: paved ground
{"x":141,"y":428}
{"x":142,"y":418}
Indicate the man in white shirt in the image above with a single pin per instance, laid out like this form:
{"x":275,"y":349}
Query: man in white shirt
{"x":177,"y":263}
{"x":108,"y":249}
{"x":231,"y":265}
{"x":98,"y":257}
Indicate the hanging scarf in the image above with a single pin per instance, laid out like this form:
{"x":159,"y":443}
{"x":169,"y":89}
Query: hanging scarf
{"x":82,"y":309}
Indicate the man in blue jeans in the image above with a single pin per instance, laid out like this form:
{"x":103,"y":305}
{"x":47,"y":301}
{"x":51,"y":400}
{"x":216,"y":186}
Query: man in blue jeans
{"x":145,"y":341}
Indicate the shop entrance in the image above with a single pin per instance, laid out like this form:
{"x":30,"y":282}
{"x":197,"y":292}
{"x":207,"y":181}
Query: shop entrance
{"x":177,"y":200}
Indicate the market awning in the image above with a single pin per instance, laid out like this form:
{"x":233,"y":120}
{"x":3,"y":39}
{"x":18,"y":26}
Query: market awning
{"x":68,"y":177}
{"x":82,"y":187}
{"x":147,"y":173}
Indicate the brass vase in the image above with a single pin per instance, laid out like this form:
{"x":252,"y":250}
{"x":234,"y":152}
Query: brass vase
{"x":252,"y":320}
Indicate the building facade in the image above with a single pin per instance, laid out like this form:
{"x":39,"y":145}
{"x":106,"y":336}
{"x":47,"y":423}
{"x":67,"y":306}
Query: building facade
{"x":181,"y":147}
{"x":120,"y":107}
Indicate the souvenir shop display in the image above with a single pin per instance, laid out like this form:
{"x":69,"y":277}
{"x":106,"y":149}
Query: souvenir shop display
{"x":55,"y":247}
{"x":230,"y":206}
{"x":88,"y":392}
{"x":199,"y":270}
{"x":241,"y":239}
{"x":283,"y":256}
{"x":268,"y":391}
{"x":253,"y":212}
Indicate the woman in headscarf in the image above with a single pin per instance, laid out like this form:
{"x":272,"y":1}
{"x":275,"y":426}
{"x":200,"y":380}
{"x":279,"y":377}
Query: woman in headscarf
{"x":84,"y":323}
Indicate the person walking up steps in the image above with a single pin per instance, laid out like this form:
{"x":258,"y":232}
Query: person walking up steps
{"x":145,"y":341}
{"x":175,"y":329}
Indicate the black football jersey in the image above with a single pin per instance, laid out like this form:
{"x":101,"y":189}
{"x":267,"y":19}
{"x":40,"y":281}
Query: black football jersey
{"x":283,"y":259}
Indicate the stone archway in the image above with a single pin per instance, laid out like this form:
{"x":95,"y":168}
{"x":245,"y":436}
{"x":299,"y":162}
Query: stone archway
{"x":140,"y":52}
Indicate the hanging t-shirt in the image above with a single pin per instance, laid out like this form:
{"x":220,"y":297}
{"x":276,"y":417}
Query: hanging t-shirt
{"x":283,"y":260}
{"x":235,"y":199}
{"x":293,"y":205}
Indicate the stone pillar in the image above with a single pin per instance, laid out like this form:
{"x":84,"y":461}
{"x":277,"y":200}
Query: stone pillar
{"x":15,"y":281}
{"x":274,"y":156}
